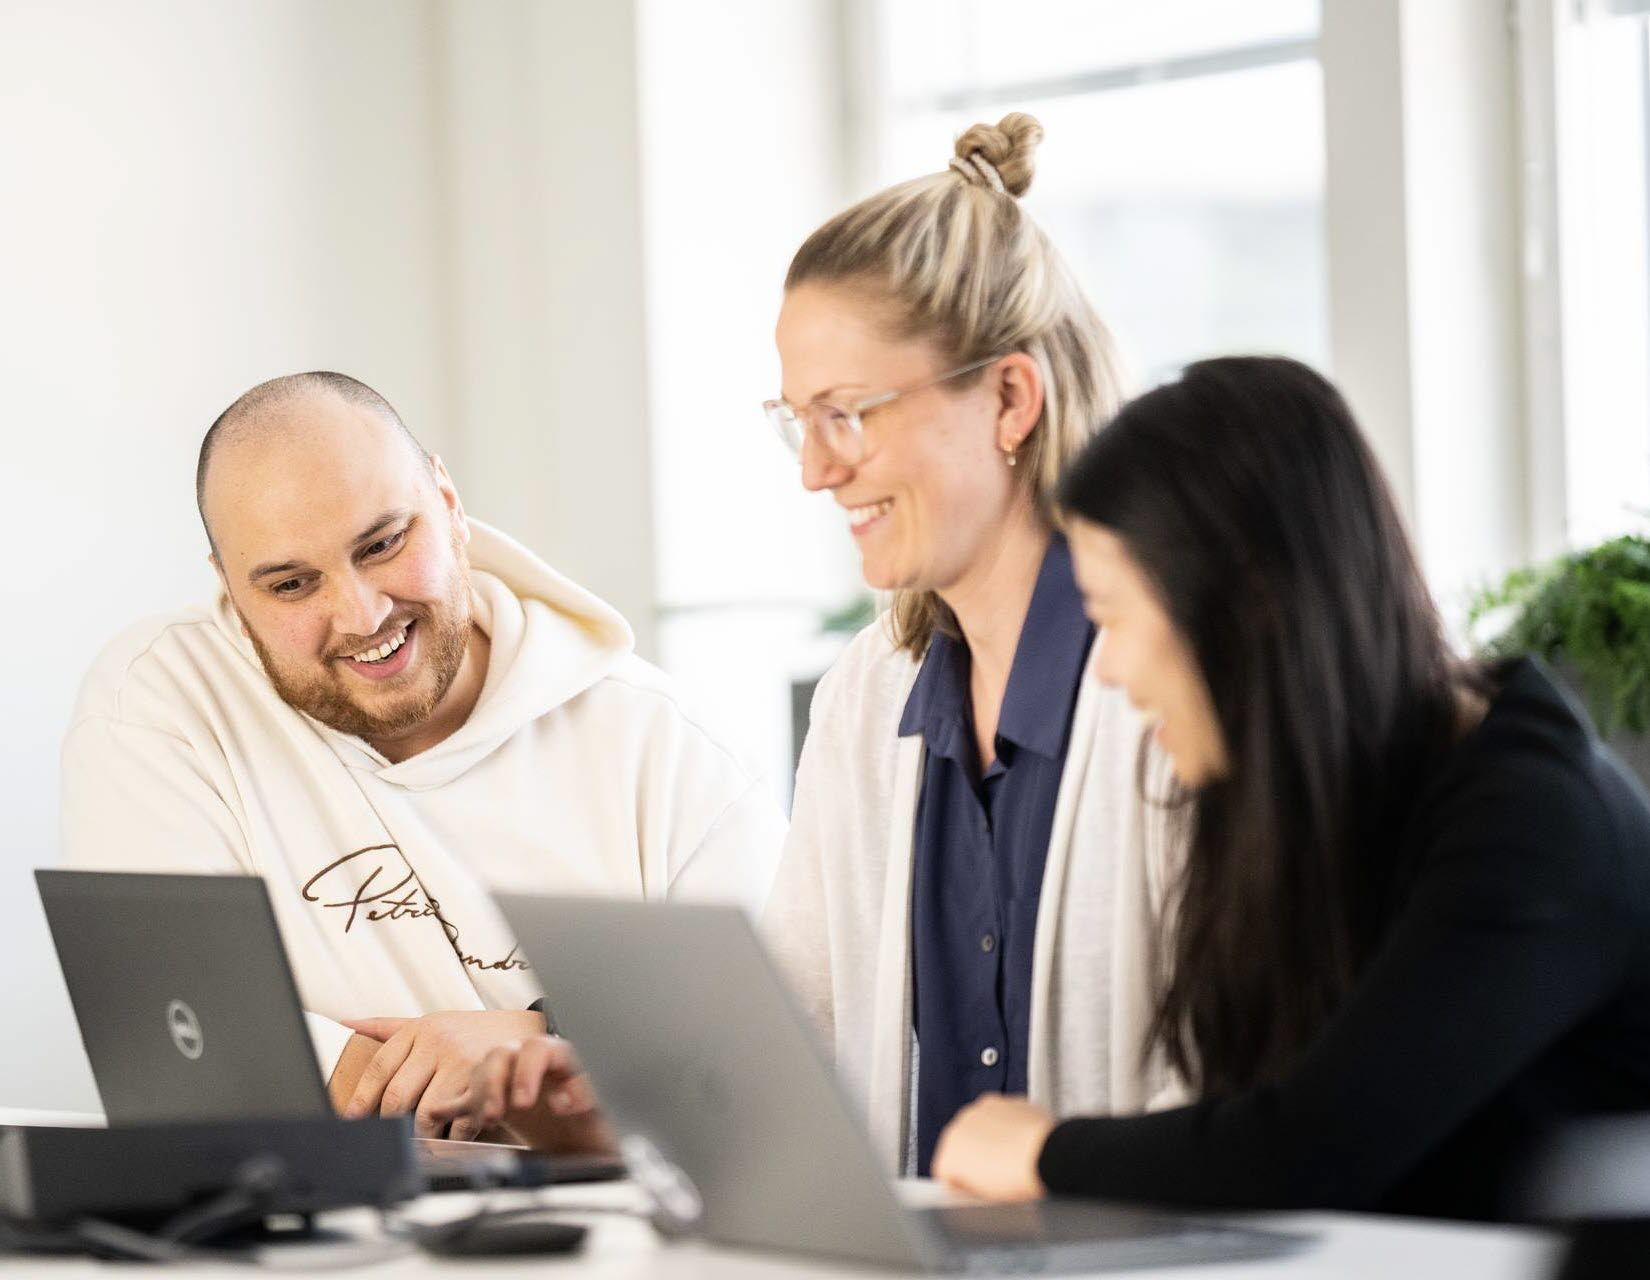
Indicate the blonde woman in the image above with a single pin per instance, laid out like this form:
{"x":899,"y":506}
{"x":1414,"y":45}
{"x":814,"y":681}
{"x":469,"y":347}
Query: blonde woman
{"x":965,"y":902}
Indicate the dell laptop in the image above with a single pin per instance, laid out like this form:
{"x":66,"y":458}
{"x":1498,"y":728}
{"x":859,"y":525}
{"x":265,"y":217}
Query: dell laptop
{"x":734,"y":1120}
{"x":188,"y":1011}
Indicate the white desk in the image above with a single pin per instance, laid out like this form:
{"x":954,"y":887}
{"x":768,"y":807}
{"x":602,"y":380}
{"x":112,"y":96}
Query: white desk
{"x":62,"y":1119}
{"x":1350,"y":1247}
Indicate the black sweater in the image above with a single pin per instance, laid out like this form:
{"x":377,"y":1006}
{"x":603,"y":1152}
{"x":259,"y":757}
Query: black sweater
{"x":1509,"y":991}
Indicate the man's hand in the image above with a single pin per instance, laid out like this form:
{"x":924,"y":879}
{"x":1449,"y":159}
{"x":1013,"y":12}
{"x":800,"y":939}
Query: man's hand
{"x":538,"y":1091}
{"x":423,"y":1065}
{"x":346,"y":1073}
{"x":991,"y":1146}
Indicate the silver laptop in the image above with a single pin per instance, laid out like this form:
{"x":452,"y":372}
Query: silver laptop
{"x":734,"y":1119}
{"x":188,"y":1011}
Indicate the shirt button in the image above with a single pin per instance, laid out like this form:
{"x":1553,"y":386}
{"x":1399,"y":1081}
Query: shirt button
{"x":988,"y":942}
{"x":988,"y":1057}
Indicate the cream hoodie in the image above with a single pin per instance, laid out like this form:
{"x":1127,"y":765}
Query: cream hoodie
{"x":577,"y":772}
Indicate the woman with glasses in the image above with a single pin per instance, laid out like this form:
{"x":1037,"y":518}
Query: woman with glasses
{"x":965,"y":901}
{"x":1413,"y":933}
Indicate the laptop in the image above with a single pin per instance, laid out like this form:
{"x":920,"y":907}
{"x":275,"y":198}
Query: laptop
{"x":188,"y":1011}
{"x":733,"y":1118}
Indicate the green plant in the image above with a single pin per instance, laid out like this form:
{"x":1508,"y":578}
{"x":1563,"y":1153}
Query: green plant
{"x":857,"y":614}
{"x":1591,"y":611}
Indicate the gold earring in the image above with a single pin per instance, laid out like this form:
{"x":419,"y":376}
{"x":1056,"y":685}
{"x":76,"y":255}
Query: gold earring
{"x":1013,"y":456}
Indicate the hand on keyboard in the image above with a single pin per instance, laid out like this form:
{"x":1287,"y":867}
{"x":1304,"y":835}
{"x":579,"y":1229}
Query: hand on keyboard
{"x":537,"y":1090}
{"x":424,"y":1065}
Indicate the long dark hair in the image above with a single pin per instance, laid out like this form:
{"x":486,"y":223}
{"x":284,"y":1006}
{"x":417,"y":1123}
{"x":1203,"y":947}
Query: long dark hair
{"x":1247,"y":495}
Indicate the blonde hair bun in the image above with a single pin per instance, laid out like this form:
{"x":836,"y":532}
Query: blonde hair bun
{"x":1009,"y":147}
{"x":944,"y":258}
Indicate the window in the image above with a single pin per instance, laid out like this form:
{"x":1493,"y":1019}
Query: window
{"x":1182,"y":174}
{"x":1600,"y":172}
{"x":740,"y":161}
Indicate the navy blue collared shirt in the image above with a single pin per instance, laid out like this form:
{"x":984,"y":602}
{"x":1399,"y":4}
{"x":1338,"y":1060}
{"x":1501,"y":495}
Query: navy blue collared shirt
{"x":980,"y":843}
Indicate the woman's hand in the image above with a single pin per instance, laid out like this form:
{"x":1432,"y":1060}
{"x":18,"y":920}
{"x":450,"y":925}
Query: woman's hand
{"x":990,"y":1149}
{"x":536,"y":1089}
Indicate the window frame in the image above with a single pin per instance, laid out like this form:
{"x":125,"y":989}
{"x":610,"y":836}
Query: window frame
{"x":1553,"y":301}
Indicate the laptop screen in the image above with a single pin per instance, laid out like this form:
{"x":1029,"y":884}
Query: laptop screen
{"x":184,"y":998}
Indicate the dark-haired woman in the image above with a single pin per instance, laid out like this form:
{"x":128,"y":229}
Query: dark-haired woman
{"x":1413,"y":932}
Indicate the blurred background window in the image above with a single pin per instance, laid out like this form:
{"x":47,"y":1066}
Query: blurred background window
{"x":1182,"y":175}
{"x":1602,"y":80}
{"x":747,"y":564}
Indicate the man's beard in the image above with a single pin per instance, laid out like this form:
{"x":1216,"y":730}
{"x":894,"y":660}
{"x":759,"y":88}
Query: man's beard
{"x":443,"y":632}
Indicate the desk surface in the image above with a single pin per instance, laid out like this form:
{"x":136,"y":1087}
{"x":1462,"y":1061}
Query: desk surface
{"x":621,"y":1247}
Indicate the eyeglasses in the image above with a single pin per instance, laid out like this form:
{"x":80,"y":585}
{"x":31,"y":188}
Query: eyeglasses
{"x":839,"y":427}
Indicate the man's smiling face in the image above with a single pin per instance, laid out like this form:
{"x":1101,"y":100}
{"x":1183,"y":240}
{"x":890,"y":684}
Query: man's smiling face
{"x":342,"y":549}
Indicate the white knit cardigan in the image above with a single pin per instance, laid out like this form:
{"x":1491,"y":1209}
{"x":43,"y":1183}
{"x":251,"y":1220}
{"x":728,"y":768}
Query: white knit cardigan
{"x":839,"y":917}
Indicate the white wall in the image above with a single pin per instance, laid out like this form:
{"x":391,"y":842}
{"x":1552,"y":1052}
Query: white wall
{"x":437,"y":197}
{"x":540,"y":139}
{"x":193,"y":197}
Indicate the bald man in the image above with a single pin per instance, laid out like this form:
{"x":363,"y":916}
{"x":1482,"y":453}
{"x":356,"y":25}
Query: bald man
{"x":388,"y":711}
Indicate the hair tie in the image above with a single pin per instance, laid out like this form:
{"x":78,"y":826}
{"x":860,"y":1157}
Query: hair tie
{"x":977,"y":165}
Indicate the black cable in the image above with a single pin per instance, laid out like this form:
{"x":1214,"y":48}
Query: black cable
{"x":256,"y":1187}
{"x":110,"y":1240}
{"x":252,"y":1194}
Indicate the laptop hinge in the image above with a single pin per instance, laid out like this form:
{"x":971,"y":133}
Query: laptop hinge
{"x":677,"y":1208}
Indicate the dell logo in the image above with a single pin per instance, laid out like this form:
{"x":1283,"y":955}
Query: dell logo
{"x":185,"y":1030}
